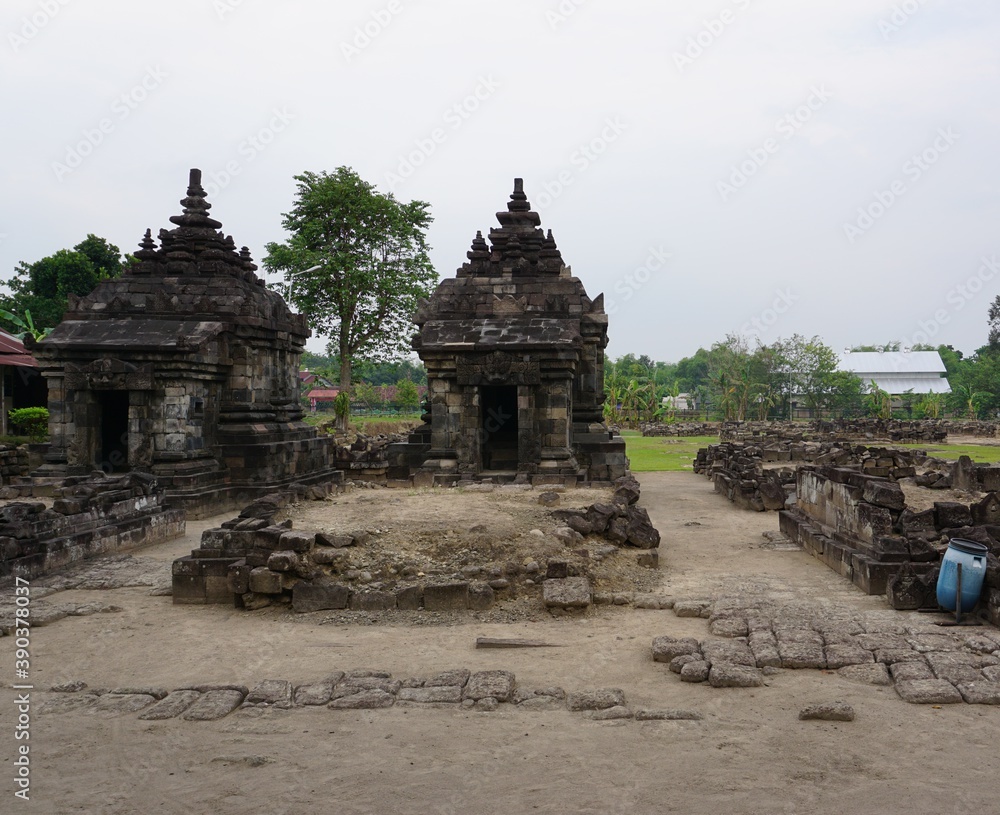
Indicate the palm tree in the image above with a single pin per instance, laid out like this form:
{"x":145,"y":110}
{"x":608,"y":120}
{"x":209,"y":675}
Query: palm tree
{"x":878,"y":401}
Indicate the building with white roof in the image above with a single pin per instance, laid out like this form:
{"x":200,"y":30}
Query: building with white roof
{"x":897,"y":372}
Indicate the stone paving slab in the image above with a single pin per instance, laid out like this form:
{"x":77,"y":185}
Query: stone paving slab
{"x":172,"y":706}
{"x":215,"y":704}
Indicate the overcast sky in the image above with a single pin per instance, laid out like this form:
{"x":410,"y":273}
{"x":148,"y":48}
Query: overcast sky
{"x":823,"y":167}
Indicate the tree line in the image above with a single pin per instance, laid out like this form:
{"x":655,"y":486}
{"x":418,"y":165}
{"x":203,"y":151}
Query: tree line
{"x":736,"y":381}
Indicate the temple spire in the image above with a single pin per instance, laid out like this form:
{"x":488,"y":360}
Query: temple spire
{"x":195,"y":206}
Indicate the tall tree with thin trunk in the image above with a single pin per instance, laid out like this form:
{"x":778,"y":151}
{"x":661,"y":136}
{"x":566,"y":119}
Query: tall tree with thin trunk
{"x":356,"y":263}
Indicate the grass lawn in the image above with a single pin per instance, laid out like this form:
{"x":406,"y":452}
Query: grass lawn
{"x":979,"y":453}
{"x":664,"y":454}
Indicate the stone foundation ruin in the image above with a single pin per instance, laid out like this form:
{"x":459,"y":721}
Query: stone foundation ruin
{"x":861,"y":526}
{"x":258,"y":559}
{"x":91,"y":515}
{"x":514,"y":351}
{"x":185,"y":367}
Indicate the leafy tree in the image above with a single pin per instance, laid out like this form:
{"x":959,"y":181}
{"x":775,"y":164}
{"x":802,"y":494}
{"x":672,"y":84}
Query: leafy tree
{"x":846,"y":395}
{"x":994,"y":324}
{"x":43,"y":287}
{"x":356,"y":263}
{"x":878,"y":402}
{"x":407,"y":395}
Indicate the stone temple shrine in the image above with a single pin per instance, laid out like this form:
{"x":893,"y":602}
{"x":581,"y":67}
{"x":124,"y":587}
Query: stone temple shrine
{"x":514,"y":352}
{"x":185,"y":367}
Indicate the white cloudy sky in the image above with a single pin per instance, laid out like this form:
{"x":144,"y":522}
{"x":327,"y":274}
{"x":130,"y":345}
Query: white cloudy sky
{"x":625,"y":134}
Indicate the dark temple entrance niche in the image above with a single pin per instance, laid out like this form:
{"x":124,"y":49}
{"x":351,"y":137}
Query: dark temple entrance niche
{"x":113,"y":455}
{"x":498,"y":426}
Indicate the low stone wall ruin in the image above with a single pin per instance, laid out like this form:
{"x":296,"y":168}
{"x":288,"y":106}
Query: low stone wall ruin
{"x":92,"y":515}
{"x":681,"y":429}
{"x":739,"y":469}
{"x":14,"y":462}
{"x":860,"y":526}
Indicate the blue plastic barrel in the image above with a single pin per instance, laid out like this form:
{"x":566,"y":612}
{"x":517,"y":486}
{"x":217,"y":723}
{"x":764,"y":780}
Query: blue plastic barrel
{"x":972,"y":556}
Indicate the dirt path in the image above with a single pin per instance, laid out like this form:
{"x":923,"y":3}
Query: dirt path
{"x":750,"y":753}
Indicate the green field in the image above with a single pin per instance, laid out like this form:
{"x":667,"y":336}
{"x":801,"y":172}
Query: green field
{"x":979,"y":453}
{"x":663,"y":454}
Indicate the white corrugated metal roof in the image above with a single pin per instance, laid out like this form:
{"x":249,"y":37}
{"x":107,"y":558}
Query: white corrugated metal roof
{"x":862,"y":363}
{"x":897,"y":383}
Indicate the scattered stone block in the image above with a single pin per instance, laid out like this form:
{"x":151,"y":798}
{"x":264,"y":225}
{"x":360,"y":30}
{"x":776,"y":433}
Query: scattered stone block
{"x":732,"y":652}
{"x":610,"y":714}
{"x":496,"y":684}
{"x":315,"y":693}
{"x":691,"y":608}
{"x":567,"y":593}
{"x":172,"y":706}
{"x":828,"y":712}
{"x":459,"y":677}
{"x":723,"y":675}
{"x":270,"y":692}
{"x":352,"y":685}
{"x":215,"y":704}
{"x":364,"y":700}
{"x":665,"y":649}
{"x":678,"y":663}
{"x":670,"y":715}
{"x":600,"y":699}
{"x":433,"y":695}
{"x":297,"y":541}
{"x":696,"y":671}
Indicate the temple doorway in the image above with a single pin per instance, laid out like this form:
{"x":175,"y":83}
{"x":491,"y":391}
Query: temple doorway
{"x":498,"y":426}
{"x":113,"y":455}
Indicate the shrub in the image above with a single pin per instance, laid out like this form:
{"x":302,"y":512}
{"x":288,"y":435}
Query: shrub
{"x":32,"y":422}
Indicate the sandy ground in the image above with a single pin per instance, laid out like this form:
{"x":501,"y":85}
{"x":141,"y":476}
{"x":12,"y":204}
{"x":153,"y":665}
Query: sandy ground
{"x":750,"y":754}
